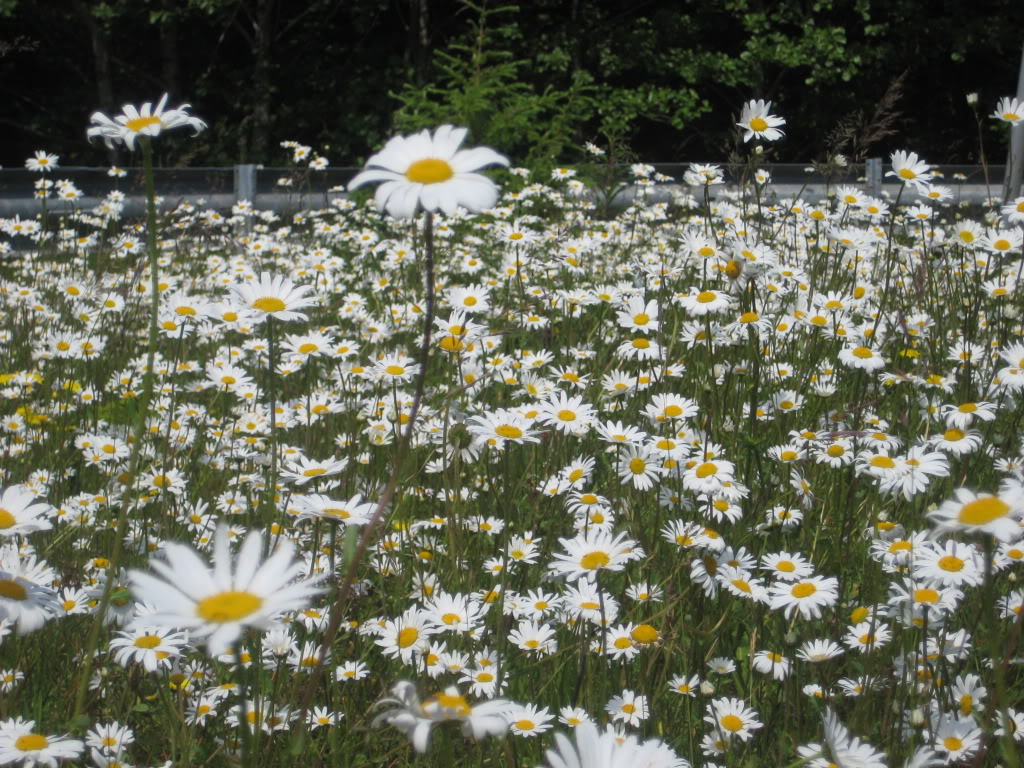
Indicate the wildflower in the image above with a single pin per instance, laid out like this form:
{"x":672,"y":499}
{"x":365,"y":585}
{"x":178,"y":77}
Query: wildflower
{"x":732,"y":718}
{"x":756,"y":121}
{"x":527,"y":720}
{"x":19,"y":516}
{"x":43,"y":161}
{"x":276,"y":297}
{"x":808,"y":596}
{"x":216,"y":604}
{"x":597,"y":749}
{"x":430,"y":172}
{"x":841,"y":749}
{"x":909,"y":169}
{"x":997,"y":515}
{"x":591,"y":552}
{"x":19,"y":743}
{"x":153,"y":647}
{"x":628,"y":708}
{"x":147,"y":121}
{"x":1009,"y":110}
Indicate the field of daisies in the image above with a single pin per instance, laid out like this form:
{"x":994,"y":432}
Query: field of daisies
{"x":462,"y":468}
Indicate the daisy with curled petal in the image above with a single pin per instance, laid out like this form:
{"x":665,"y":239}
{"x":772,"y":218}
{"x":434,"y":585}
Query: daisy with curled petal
{"x":218,"y":603}
{"x":273,"y":296}
{"x":755,"y":121}
{"x":147,"y":121}
{"x":19,"y":516}
{"x":840,"y":749}
{"x":431,"y":172}
{"x":997,"y":515}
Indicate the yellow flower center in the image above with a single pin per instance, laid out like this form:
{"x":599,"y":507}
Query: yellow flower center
{"x":982,"y":511}
{"x":758,"y":124}
{"x":524,"y":725}
{"x":883,"y":462}
{"x":566,"y":415}
{"x":926,"y":596}
{"x":786,"y":566}
{"x":408,"y":636}
{"x":594,"y":560}
{"x":430,"y":170}
{"x":803,"y":589}
{"x":451,"y":618}
{"x":906,"y":173}
{"x":952,"y":743}
{"x":451,"y":701}
{"x":31,"y":742}
{"x":228,"y":606}
{"x":147,"y":641}
{"x":642,"y":319}
{"x":508,"y":431}
{"x":139,"y":123}
{"x":863,"y":353}
{"x":951,"y":563}
{"x":706,"y":470}
{"x":732,"y":723}
{"x":7,"y":520}
{"x":644,"y":633}
{"x":269,"y":304}
{"x":637,"y":465}
{"x":705,"y":297}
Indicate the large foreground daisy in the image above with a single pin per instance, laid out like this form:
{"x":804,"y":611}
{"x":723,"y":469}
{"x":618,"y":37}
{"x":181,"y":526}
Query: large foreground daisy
{"x":432,"y":173}
{"x":274,"y":296}
{"x":218,"y":602}
{"x":607,"y":749}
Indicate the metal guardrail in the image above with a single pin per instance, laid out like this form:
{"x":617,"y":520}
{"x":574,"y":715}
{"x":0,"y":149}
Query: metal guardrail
{"x":303,"y":188}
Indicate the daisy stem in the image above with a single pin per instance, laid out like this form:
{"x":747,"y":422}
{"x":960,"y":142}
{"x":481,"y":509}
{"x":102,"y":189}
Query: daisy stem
{"x":139,"y":428}
{"x":243,"y":716}
{"x":272,"y":396}
{"x":345,"y":588}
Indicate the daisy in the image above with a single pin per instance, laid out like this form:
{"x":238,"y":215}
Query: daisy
{"x":957,"y":739}
{"x":1009,"y":110}
{"x":951,"y":563}
{"x":591,"y":552}
{"x":808,"y":596}
{"x":273,"y":296}
{"x":685,"y":686}
{"x":608,"y":749}
{"x":843,"y":751}
{"x":786,"y":566}
{"x":24,"y":601}
{"x":997,"y":515}
{"x":862,"y":358}
{"x":502,"y":425}
{"x":218,"y":603}
{"x":19,"y":516}
{"x":909,"y":169}
{"x":43,"y":161}
{"x":20,"y":744}
{"x":817,"y":651}
{"x":569,"y":415}
{"x":306,"y":470}
{"x":639,"y":315}
{"x":771,"y":663}
{"x":732,"y":718}
{"x":354,"y":511}
{"x":430,"y":172}
{"x":628,"y":708}
{"x":755,"y":121}
{"x":640,"y":465}
{"x":153,"y":647}
{"x":407,"y":635}
{"x":527,"y":720}
{"x":147,"y":121}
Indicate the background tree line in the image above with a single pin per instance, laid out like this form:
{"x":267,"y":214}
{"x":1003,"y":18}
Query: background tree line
{"x":659,"y":81}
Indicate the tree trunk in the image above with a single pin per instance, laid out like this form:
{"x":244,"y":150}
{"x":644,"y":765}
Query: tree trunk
{"x":263,"y":97}
{"x":101,"y":63}
{"x":169,"y":55}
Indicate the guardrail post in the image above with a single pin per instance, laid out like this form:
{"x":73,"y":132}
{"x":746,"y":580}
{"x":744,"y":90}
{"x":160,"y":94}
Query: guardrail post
{"x":245,"y":183}
{"x":873,"y":172}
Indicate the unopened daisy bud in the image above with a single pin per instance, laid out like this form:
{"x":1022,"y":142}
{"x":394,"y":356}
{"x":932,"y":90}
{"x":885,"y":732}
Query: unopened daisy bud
{"x":917,"y":717}
{"x":707,"y":688}
{"x":758,"y":150}
{"x":972,"y":99}
{"x":790,"y":638}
